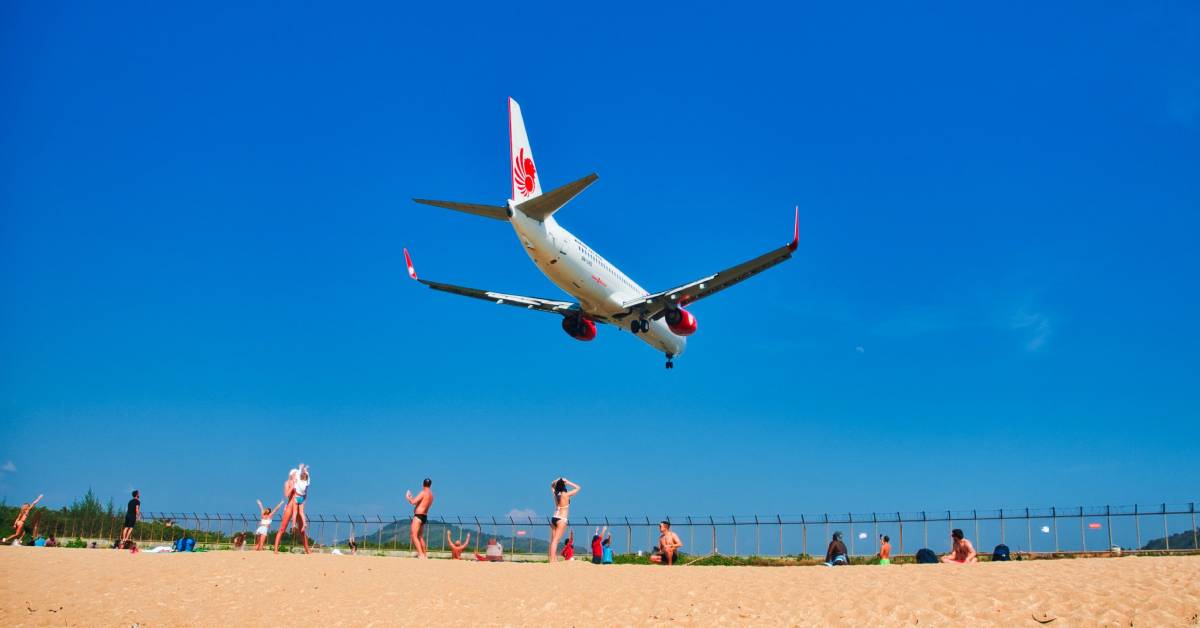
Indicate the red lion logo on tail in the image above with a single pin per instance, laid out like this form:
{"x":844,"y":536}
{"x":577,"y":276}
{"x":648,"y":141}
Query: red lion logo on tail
{"x":524,"y":174}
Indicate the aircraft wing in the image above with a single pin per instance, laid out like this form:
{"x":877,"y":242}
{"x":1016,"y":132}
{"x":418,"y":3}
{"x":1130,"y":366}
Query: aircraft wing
{"x":531,"y":303}
{"x":656,"y":305}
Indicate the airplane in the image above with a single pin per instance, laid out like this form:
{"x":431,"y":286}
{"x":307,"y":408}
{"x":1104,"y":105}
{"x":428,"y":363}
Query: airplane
{"x":604,"y":294}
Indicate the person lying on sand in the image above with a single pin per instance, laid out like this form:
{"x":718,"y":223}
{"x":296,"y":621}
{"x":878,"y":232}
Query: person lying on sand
{"x":421,"y":504}
{"x":836,"y":553}
{"x":495,"y":552}
{"x":668,"y":543}
{"x":19,"y":522}
{"x":456,"y":549}
{"x":961,"y":550}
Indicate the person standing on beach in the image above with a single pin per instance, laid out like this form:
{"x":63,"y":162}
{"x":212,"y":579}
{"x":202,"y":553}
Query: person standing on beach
{"x":668,"y":543}
{"x":19,"y":522}
{"x":289,"y":511}
{"x":133,"y":512}
{"x":264,"y":524}
{"x":961,"y":550}
{"x":421,"y":504}
{"x":885,"y":550}
{"x":562,"y":510}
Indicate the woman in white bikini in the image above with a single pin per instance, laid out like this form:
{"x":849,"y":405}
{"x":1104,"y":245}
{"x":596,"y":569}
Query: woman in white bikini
{"x":264,"y":524}
{"x":562,"y":509}
{"x":301,"y":488}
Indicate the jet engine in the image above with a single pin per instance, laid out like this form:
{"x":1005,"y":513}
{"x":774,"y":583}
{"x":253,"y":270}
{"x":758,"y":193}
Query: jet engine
{"x":681,"y":322}
{"x":579,"y":328}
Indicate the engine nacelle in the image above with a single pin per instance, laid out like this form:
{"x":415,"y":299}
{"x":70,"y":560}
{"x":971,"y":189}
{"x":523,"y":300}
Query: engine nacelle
{"x":579,"y":328}
{"x":681,"y":322}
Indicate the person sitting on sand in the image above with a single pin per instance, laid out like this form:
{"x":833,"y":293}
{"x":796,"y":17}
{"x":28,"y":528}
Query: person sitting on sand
{"x":568,"y":550}
{"x":51,"y":542}
{"x":961,"y":550}
{"x":885,"y":550}
{"x":598,"y":545}
{"x":421,"y":505}
{"x":239,"y":540}
{"x":562,"y":511}
{"x":264,"y":524}
{"x":668,"y":542}
{"x":836,"y":553}
{"x":19,"y":522}
{"x":606,"y":553}
{"x":495,"y":552}
{"x":456,"y":549}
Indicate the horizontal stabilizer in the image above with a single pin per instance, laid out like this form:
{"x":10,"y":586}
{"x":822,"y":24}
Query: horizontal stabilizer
{"x":490,"y":211}
{"x":541,"y":207}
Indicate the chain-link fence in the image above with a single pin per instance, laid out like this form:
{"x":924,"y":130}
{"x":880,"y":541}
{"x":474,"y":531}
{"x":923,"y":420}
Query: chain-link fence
{"x":1072,"y":530}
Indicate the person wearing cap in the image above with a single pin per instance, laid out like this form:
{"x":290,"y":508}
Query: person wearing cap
{"x":836,"y":554}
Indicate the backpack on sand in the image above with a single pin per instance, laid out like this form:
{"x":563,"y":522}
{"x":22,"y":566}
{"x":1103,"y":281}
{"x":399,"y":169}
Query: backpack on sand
{"x":1001,"y":553}
{"x":925,"y":556}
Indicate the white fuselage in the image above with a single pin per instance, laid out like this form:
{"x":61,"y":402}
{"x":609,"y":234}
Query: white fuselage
{"x":598,"y":285}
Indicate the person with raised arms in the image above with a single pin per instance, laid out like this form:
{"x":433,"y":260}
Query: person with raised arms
{"x":562,"y":510}
{"x":456,"y":549}
{"x":264,"y":523}
{"x":19,"y":522}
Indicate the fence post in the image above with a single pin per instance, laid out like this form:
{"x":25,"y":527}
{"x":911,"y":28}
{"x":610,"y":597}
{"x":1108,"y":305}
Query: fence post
{"x":733,"y":518}
{"x":1029,"y":530}
{"x":1108,"y":521}
{"x":978,"y":539}
{"x":1166,"y":533}
{"x":1137,"y":527}
{"x":900,"y":522}
{"x":1082,"y":535}
{"x":692,"y":532}
{"x":478,"y":533}
{"x":714,"y":534}
{"x":1054,"y":522}
{"x":780,"y":520}
{"x":757,"y":538}
{"x":1192,"y":509}
{"x":850,"y":516}
{"x":803,"y":534}
{"x":1002,"y":526}
{"x":827,"y":525}
{"x":628,"y":537}
{"x":925,"y":527}
{"x":875,"y":530}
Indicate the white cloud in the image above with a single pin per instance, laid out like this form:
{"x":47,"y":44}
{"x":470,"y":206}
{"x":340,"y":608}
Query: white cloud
{"x":522,"y":514}
{"x":860,"y":349}
{"x":1035,"y":323}
{"x":9,"y":467}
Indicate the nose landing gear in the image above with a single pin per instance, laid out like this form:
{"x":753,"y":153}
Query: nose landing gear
{"x":670,"y":361}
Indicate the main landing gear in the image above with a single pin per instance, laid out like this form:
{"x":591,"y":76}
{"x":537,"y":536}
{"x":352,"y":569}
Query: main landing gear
{"x":670,"y":362}
{"x":640,"y":325}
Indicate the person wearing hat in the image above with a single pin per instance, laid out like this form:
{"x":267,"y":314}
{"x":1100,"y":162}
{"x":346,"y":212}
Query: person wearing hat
{"x":836,"y":554}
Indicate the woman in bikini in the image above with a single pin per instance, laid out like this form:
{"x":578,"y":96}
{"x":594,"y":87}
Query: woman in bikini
{"x":301,"y":487}
{"x":264,"y":524}
{"x":19,"y":523}
{"x":289,"y":511}
{"x":562,"y":508}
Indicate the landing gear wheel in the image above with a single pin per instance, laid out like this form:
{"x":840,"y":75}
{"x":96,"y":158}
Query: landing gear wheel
{"x":670,"y":362}
{"x":645,"y":324}
{"x":635,"y":327}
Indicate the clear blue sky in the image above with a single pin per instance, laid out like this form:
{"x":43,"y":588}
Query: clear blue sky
{"x":994,"y":302}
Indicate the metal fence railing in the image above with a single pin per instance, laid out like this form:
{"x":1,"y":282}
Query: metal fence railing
{"x":1033,"y":530}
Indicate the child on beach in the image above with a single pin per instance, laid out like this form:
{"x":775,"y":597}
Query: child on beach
{"x":264,"y":524}
{"x":598,"y":545}
{"x":568,"y":551}
{"x":19,"y":522}
{"x":606,"y":555}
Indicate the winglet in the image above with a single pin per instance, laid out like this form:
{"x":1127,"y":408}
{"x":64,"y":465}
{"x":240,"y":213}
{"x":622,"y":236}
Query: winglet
{"x":795,"y":237}
{"x":412,"y":272}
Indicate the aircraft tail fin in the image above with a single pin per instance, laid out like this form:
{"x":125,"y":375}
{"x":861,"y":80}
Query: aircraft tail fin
{"x":526,"y":182}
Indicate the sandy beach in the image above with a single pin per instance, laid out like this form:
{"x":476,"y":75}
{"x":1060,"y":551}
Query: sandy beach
{"x":115,"y":588}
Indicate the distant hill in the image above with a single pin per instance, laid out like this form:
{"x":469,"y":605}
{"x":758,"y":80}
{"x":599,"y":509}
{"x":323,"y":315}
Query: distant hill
{"x":396,"y":535}
{"x":1183,"y":540}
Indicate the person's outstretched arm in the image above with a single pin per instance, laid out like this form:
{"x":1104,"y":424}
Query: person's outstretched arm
{"x":260,"y":507}
{"x":468,"y":541}
{"x":575,"y":487}
{"x":409,"y":497}
{"x":34,"y":502}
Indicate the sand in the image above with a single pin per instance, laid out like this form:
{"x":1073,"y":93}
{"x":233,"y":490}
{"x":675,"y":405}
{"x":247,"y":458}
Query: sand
{"x":58,"y":586}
